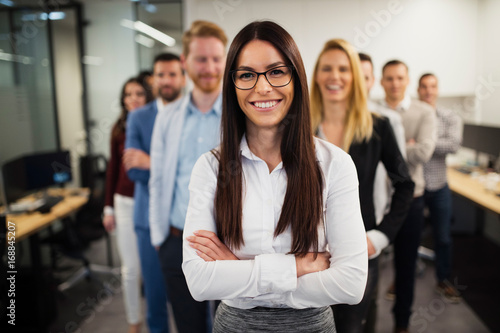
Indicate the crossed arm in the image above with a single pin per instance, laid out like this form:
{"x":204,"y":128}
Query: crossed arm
{"x":214,"y":272}
{"x":210,"y":248}
{"x":135,"y":159}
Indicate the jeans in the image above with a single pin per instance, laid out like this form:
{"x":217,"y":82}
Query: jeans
{"x":190,"y":315}
{"x":439,"y":204}
{"x":154,"y":285}
{"x":405,"y":259}
{"x":352,"y":318}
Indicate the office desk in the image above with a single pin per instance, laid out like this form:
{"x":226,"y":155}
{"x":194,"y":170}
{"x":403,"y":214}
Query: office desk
{"x":470,"y":188}
{"x":30,"y":224}
{"x":41,"y":305}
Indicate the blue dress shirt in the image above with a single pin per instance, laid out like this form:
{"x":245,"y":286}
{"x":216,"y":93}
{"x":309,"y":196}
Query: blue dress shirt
{"x":200,"y":134}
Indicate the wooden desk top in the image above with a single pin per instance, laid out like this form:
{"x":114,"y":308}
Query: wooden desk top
{"x":28,"y":224}
{"x":473,"y":190}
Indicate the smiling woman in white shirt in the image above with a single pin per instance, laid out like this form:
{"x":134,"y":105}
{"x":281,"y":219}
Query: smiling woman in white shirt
{"x":273,"y":227}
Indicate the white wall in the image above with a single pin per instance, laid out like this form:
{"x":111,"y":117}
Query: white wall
{"x":436,"y":36}
{"x":112,"y":59}
{"x":487,"y":82}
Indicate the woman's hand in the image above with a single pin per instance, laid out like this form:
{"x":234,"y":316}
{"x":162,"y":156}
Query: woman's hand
{"x":209,"y":247}
{"x":371,"y":248}
{"x":109,"y":222}
{"x":308,"y":264}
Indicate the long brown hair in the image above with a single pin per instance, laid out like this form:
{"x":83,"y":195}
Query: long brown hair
{"x":119,"y":127}
{"x":302,"y":207}
{"x":358,"y":123}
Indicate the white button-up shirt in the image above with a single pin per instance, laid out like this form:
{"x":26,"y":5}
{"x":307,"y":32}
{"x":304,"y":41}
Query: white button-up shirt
{"x":266,"y":275}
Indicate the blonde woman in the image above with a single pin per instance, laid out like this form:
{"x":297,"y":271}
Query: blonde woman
{"x":340,"y":115}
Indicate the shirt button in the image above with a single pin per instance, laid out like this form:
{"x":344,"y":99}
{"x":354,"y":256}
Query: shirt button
{"x":200,"y":139}
{"x":269,"y":202}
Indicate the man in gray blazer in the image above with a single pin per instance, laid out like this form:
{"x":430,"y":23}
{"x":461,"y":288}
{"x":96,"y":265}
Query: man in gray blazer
{"x":437,"y":193}
{"x":187,"y":129}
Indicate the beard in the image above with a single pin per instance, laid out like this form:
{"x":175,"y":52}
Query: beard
{"x":207,"y":86}
{"x":170,"y":94}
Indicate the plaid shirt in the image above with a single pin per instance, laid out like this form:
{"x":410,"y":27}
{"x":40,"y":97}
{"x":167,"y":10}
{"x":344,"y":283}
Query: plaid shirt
{"x":449,"y":128}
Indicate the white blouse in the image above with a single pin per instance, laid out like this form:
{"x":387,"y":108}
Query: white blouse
{"x":266,"y":275}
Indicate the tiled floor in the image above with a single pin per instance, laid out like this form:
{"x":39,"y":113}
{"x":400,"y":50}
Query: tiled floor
{"x":432,"y":313}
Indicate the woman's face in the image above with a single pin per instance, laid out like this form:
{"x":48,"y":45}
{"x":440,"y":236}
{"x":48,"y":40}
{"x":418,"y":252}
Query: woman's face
{"x":265,"y":106}
{"x":135,"y":96}
{"x":334,"y":76}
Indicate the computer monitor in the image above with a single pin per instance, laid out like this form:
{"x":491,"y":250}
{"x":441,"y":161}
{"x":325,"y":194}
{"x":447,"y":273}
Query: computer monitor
{"x":34,"y":172}
{"x":483,"y":139}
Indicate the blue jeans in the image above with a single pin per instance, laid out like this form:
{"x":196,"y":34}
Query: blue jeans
{"x":439,"y":204}
{"x":154,"y":285}
{"x":405,"y":259}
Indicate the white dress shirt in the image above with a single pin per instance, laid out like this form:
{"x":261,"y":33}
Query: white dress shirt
{"x":159,"y":104}
{"x":382,"y":187}
{"x":266,"y":275}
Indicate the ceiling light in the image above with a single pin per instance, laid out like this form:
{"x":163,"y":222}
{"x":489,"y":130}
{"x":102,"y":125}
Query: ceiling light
{"x":44,"y":16}
{"x":16,"y":58}
{"x":148,"y":30}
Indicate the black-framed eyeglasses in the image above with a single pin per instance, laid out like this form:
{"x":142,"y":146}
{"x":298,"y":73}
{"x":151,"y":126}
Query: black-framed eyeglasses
{"x":246,"y":79}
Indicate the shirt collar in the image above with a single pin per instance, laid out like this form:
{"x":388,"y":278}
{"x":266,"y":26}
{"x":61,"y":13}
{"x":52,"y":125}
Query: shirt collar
{"x":245,"y":150}
{"x":405,"y":103}
{"x":159,"y":104}
{"x":247,"y":153}
{"x":402,"y":106}
{"x":216,"y":107}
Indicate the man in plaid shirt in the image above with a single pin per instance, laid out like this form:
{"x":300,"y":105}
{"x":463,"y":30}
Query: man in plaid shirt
{"x":437,"y":194}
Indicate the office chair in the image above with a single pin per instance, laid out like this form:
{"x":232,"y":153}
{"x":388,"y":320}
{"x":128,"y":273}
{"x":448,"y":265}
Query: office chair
{"x":87,"y":226}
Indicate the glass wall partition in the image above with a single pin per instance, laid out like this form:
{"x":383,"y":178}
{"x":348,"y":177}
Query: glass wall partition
{"x":166,"y":17}
{"x":33,"y":58}
{"x":28,"y":117}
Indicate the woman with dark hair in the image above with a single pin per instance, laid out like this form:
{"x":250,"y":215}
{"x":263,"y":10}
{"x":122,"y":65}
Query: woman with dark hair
{"x":273,"y":226}
{"x":119,"y":203}
{"x":340,"y":115}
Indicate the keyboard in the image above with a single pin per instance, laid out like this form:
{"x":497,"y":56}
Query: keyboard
{"x":49,"y":202}
{"x":464,"y":169}
{"x":25,"y":206}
